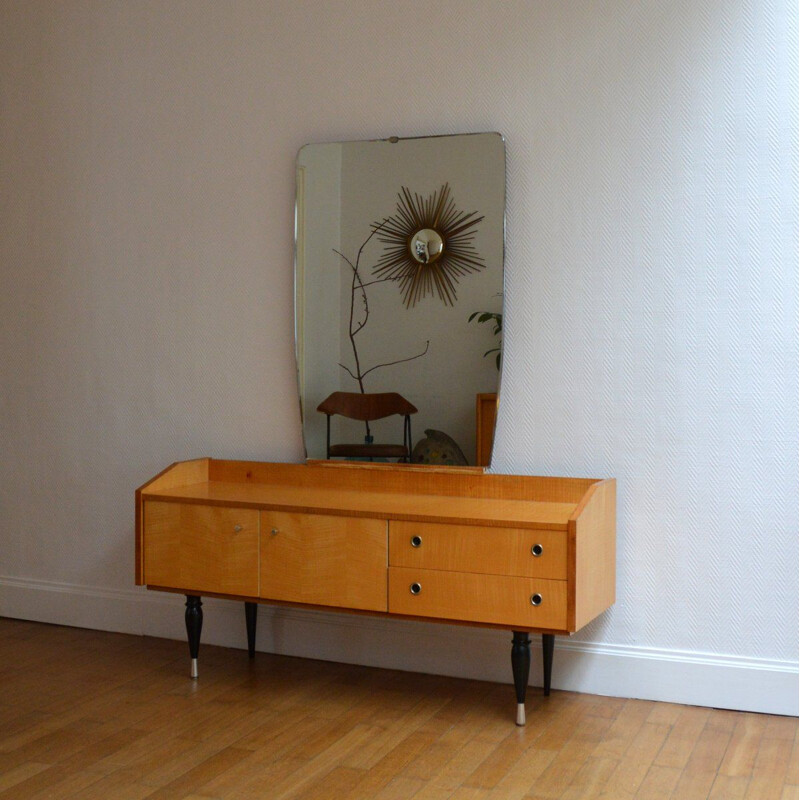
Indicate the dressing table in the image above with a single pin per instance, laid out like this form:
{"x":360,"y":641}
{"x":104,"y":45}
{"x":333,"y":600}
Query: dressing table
{"x":391,"y":265}
{"x":529,"y":554}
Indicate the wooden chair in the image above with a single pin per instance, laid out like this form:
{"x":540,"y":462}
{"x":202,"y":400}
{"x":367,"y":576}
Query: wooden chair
{"x":368,"y":407}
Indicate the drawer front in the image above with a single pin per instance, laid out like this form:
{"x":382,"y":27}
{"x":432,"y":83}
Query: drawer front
{"x":324,"y":560}
{"x":201,"y":548}
{"x":471,"y":548}
{"x":478,"y":598}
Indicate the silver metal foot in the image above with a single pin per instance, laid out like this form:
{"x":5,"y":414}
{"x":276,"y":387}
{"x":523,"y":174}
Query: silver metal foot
{"x":194,"y":675}
{"x":520,"y":713}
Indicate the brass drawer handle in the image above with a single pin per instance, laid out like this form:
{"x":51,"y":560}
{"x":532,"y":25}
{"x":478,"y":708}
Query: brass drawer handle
{"x":537,"y":550}
{"x":536,"y":599}
{"x":415,"y":588}
{"x":416,"y":541}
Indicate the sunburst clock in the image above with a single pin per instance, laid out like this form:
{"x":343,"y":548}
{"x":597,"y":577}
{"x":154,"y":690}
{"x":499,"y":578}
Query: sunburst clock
{"x":429,"y":246}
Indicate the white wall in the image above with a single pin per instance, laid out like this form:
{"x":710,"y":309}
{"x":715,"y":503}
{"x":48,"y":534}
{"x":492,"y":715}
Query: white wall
{"x":147,"y":172}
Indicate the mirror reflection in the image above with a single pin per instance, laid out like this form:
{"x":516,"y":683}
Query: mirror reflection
{"x":399,"y":281}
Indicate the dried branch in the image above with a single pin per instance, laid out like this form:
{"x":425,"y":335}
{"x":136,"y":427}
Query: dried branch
{"x":399,"y":361}
{"x":354,"y":328}
{"x":347,"y":370}
{"x":379,"y":280}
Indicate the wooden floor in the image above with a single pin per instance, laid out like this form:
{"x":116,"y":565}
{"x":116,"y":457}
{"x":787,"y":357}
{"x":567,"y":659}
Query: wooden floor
{"x":85,"y":714}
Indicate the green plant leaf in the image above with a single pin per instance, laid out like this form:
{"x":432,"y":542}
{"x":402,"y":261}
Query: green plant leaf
{"x":485,"y":316}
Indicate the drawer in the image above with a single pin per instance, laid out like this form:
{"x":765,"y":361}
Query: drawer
{"x":201,"y":548}
{"x":469,"y":596}
{"x":324,"y":560}
{"x":472,"y":548}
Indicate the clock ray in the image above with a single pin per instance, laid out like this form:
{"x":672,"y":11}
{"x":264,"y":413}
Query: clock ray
{"x":429,"y":246}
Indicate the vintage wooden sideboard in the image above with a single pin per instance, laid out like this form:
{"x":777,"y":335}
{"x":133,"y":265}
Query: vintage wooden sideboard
{"x":457,"y":545}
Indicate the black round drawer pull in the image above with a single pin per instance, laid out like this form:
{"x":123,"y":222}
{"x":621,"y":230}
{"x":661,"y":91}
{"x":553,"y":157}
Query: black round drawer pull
{"x":537,"y":550}
{"x":416,"y":541}
{"x":536,"y":599}
{"x":415,"y":588}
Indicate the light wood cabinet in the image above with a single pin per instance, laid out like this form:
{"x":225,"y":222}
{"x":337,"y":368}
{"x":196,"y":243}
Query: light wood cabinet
{"x":529,"y":554}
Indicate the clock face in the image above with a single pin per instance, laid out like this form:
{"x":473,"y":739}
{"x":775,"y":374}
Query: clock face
{"x":426,"y":246}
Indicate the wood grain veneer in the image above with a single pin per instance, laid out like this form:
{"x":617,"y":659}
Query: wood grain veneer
{"x":417,"y":479}
{"x":592,"y":532}
{"x":480,"y":598}
{"x":323,"y":560}
{"x":178,"y":474}
{"x":201,"y":548}
{"x":390,"y":504}
{"x":472,"y":548}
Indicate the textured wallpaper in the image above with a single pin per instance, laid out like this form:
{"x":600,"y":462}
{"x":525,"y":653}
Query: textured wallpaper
{"x":147,"y":164}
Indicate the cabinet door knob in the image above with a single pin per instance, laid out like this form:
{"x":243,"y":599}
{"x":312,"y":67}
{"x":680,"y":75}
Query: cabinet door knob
{"x":273,"y":532}
{"x":537,"y":550}
{"x":415,"y":588}
{"x":416,"y":541}
{"x":237,"y":528}
{"x":536,"y":599}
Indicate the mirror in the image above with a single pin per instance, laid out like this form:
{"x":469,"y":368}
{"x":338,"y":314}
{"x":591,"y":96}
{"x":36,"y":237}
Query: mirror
{"x":399,"y":291}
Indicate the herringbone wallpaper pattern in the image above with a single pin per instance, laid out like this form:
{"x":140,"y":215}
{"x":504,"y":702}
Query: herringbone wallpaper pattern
{"x":651,"y":287}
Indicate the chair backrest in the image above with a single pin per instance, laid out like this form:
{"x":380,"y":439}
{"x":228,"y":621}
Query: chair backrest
{"x":366,"y":407}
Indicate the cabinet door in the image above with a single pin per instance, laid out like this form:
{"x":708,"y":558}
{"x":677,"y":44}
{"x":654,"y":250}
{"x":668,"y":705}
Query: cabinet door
{"x":324,"y":560}
{"x":201,"y":548}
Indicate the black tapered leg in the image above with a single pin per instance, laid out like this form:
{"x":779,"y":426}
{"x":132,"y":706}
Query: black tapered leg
{"x":521,"y":667}
{"x":250,"y":617}
{"x":194,"y":624}
{"x":548,"y":644}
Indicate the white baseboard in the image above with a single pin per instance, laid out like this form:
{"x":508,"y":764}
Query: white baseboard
{"x":705,"y":679}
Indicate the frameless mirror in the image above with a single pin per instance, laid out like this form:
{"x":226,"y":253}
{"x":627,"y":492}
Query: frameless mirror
{"x":399,"y":291}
